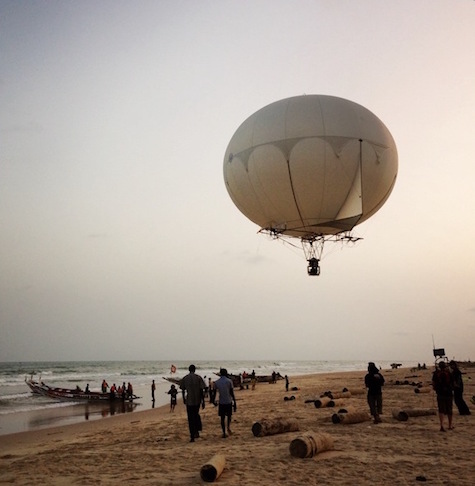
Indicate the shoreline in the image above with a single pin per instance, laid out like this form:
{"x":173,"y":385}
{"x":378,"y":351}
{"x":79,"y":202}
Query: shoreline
{"x":68,"y":412}
{"x":152,"y":446}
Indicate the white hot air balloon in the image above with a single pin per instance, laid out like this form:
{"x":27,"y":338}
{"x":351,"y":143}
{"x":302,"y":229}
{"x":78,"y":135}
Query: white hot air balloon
{"x":311,"y":167}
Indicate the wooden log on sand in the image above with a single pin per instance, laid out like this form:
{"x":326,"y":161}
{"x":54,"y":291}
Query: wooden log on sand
{"x":400,"y":415}
{"x":426,"y":389}
{"x":347,"y":409}
{"x":213,"y":468}
{"x":310,"y":444}
{"x":322,"y":402}
{"x":350,"y":418}
{"x":335,"y":403}
{"x":335,"y":395}
{"x":404,"y":414}
{"x":275,"y":426}
{"x":355,"y":391}
{"x":420,"y":412}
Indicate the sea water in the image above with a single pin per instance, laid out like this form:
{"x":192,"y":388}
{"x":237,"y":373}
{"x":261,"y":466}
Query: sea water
{"x":21,"y":410}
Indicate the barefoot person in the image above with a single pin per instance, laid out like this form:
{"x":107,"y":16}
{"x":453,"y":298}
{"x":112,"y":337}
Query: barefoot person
{"x":173,"y":392}
{"x":226,"y":400}
{"x":374,"y":381}
{"x":458,"y":389}
{"x":443,"y":386}
{"x":192,"y":388}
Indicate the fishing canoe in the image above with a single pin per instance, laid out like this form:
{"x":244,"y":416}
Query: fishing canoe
{"x":41,"y":388}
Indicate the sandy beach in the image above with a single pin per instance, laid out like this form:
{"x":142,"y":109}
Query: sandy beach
{"x":152,"y":447}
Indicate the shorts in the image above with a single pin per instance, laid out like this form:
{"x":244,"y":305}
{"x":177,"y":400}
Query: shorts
{"x":444,"y":404}
{"x":225,"y":410}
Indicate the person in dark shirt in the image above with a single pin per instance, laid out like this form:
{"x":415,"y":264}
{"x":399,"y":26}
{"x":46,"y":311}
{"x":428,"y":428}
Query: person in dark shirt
{"x":458,"y":389}
{"x":443,"y":385}
{"x":374,"y":380}
{"x":192,"y":388}
{"x":173,"y":392}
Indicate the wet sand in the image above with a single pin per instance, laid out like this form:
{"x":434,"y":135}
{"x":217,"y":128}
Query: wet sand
{"x":152,"y":447}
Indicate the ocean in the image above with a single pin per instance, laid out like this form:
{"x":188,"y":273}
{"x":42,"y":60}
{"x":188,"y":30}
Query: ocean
{"x":20,"y":410}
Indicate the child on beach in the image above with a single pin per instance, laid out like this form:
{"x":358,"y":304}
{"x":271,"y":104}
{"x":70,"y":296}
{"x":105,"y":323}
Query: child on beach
{"x":173,"y":392}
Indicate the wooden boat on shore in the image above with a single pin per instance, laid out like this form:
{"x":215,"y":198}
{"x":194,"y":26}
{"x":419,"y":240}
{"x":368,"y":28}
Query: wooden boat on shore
{"x":41,"y":388}
{"x":175,"y":381}
{"x":238,"y":381}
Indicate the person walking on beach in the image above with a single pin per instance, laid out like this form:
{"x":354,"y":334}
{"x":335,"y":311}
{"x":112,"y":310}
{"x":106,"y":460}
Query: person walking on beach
{"x":458,"y":389}
{"x":286,"y":383}
{"x":173,"y":392}
{"x":227,"y":400}
{"x":153,"y":387}
{"x":192,"y":388}
{"x":104,"y":386}
{"x":374,"y":380}
{"x":212,"y":391}
{"x":443,"y":386}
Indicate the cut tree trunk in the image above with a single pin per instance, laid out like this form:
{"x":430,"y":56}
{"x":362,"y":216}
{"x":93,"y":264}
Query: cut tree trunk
{"x":322,"y":402}
{"x":213,"y":468}
{"x":347,"y":409}
{"x":334,"y":395}
{"x":350,"y":418}
{"x":420,"y":412}
{"x":400,"y":415}
{"x":310,"y":444}
{"x":276,"y":426}
{"x":355,"y":391}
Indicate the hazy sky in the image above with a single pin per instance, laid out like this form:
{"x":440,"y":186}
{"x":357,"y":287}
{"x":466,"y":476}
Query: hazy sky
{"x":118,"y":239}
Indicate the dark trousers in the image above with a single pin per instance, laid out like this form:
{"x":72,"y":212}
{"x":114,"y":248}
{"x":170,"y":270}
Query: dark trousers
{"x":460,"y":402}
{"x":375,"y":403}
{"x":194,"y":419}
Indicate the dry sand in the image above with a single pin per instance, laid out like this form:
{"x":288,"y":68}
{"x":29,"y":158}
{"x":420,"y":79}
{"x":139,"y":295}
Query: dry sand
{"x":152,"y":447}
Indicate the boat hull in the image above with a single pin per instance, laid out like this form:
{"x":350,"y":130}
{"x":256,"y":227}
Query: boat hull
{"x":40,"y":388}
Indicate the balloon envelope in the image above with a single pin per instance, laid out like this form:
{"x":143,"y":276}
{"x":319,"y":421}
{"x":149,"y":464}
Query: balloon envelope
{"x":310,"y":165}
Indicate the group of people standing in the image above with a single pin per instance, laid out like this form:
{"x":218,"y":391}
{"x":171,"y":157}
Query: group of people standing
{"x":122,"y":391}
{"x":447,"y":383}
{"x":193,"y":391}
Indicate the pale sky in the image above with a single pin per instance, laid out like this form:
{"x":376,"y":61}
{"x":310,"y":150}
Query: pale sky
{"x":118,"y":238}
